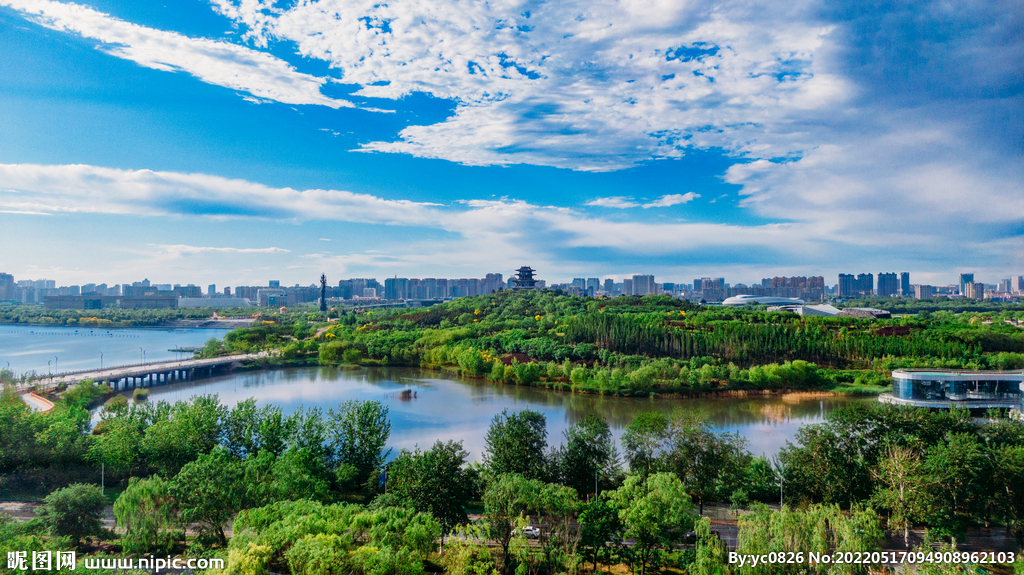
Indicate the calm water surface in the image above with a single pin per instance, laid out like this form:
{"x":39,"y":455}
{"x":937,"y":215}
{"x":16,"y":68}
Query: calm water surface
{"x":450,"y":407}
{"x":29,"y":348}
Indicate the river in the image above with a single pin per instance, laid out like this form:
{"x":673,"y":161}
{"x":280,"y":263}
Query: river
{"x":28,"y":348}
{"x":447,"y":406}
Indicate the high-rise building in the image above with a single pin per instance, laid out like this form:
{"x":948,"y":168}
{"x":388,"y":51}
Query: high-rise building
{"x":644,"y":284}
{"x":491,"y":283}
{"x":847,"y":285}
{"x":579,"y":283}
{"x":1004,"y":286}
{"x":429,"y":286}
{"x":6,"y":286}
{"x":888,"y":285}
{"x":964,"y":280}
{"x":712,"y":284}
{"x":211,"y":290}
{"x":274,"y":284}
{"x":396,"y":288}
{"x":627,"y":286}
{"x":924,"y":292}
{"x":905,"y":284}
{"x":974,"y":290}
{"x":698,"y":284}
{"x":227,"y":291}
{"x":865,"y":284}
{"x":609,"y":285}
{"x":1018,"y":284}
{"x":593,"y":286}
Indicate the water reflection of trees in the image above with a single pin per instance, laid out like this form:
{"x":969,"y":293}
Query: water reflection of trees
{"x":732,"y":411}
{"x":620,"y":411}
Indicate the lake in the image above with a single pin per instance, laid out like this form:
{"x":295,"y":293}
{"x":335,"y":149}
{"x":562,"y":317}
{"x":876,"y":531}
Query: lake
{"x":447,"y":406}
{"x":28,"y":348}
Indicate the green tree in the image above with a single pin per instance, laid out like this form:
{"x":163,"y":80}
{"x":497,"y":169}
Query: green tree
{"x":654,"y":512}
{"x":320,"y":554}
{"x":588,"y":456}
{"x":705,"y":460}
{"x":117,"y":445}
{"x":63,"y":436}
{"x":433,"y":481}
{"x":209,"y":490}
{"x":818,"y":528}
{"x":465,"y":554}
{"x":145,"y":510}
{"x":17,"y":431}
{"x":75,"y":511}
{"x":506,"y":500}
{"x":1006,"y":487}
{"x":599,"y":524}
{"x":955,"y":467}
{"x":190,"y":430}
{"x":710,"y":558}
{"x":902,"y":489}
{"x":359,"y":430}
{"x":515,"y":443}
{"x":241,"y":429}
{"x":643,"y":440}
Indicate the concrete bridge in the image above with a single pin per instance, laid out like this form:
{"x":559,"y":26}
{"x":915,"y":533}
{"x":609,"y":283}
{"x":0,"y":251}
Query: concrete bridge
{"x":146,"y":374}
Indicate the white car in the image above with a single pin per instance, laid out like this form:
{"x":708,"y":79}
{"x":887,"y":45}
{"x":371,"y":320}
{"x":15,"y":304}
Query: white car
{"x":530,"y":532}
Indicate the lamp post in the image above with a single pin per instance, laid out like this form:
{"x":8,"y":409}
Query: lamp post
{"x":780,"y":468}
{"x":55,"y":368}
{"x":48,"y":370}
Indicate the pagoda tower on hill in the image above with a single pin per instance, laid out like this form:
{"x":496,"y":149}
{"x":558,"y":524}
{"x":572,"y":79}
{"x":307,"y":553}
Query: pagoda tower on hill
{"x":524,"y":278}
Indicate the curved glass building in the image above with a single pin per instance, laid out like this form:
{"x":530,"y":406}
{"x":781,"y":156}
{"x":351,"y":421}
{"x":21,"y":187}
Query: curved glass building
{"x":944,"y":389}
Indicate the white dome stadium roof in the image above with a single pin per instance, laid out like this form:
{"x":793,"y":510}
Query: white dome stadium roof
{"x":761,"y":299}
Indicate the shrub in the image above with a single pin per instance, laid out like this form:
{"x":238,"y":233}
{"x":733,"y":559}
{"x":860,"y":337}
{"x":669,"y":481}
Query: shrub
{"x":74,"y":511}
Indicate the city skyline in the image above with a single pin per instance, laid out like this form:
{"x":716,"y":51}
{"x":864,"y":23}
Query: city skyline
{"x":847,"y":285}
{"x":224,"y":142}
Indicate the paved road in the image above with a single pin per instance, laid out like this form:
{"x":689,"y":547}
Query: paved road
{"x":36,"y":402}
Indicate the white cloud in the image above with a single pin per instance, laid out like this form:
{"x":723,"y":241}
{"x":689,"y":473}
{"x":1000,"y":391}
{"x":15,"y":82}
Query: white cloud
{"x":92,"y":189}
{"x":225,"y":64}
{"x":482,"y":228}
{"x":578,"y":84}
{"x":518,"y":230}
{"x":471,"y":237}
{"x":613,"y":202}
{"x":662,"y":202}
{"x":181,"y":249}
{"x":672,"y":200}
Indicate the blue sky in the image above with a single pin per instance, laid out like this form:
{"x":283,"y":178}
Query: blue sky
{"x":232,"y":142}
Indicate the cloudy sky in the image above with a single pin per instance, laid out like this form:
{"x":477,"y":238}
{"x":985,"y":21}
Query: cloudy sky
{"x":235,"y":141}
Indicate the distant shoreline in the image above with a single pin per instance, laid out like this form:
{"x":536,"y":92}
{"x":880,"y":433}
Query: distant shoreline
{"x":228,"y":324}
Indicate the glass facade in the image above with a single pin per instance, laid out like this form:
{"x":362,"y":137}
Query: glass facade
{"x":964,"y":389}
